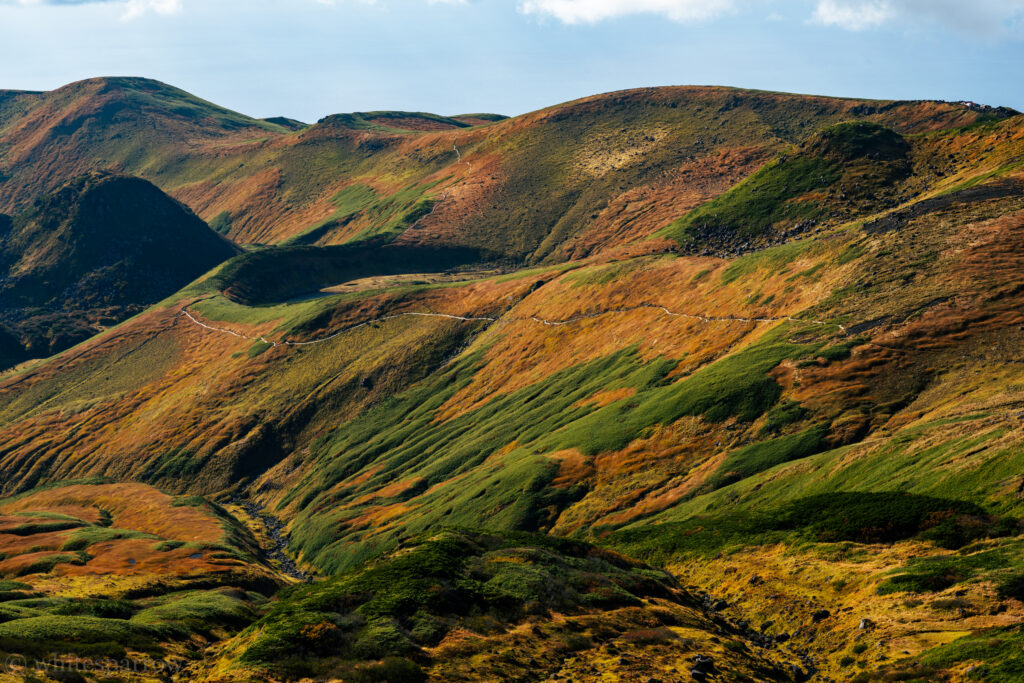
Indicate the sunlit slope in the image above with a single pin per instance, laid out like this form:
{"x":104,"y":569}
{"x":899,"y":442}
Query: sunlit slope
{"x":101,"y":571}
{"x":610,"y":169}
{"x":772,"y":413}
{"x":460,"y":605}
{"x":125,"y":124}
{"x":672,"y":378}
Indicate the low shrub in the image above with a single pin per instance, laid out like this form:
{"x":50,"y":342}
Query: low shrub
{"x":1011,"y":587}
{"x":938,"y":578}
{"x":477,"y":581}
{"x":870,"y":517}
{"x":104,"y":609}
{"x":860,"y":517}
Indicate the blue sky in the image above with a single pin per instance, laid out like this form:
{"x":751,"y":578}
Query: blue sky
{"x":310,"y":58}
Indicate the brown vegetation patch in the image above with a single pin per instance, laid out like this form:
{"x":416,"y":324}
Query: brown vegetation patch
{"x":608,"y":397}
{"x":131,"y":506}
{"x":573,"y":468}
{"x":641,"y":211}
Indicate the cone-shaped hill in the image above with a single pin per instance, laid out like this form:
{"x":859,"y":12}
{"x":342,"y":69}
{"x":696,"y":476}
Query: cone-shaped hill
{"x":94,"y":252}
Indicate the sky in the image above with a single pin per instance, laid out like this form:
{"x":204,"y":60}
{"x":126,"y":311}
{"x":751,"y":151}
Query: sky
{"x":309,"y":58}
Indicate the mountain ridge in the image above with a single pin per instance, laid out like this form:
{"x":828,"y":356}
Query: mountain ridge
{"x":235,"y":178}
{"x":487,"y":405}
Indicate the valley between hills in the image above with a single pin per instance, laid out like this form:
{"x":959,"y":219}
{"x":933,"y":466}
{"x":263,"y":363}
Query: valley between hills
{"x":669,"y":384}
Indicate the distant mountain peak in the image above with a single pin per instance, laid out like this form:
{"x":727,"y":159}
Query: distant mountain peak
{"x":405,"y":121}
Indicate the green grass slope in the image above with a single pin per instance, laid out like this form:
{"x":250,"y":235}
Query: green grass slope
{"x":842,"y":171}
{"x":823,"y":430}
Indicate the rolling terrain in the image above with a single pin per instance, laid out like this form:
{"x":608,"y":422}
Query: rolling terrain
{"x":673,"y":384}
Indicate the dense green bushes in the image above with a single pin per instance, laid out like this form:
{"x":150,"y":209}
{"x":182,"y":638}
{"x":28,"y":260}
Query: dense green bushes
{"x":752,"y":207}
{"x":858,"y":139}
{"x":1012,"y":587}
{"x":860,"y":517}
{"x":278,"y":274}
{"x":180,"y":615}
{"x":759,"y":457}
{"x":74,"y":634}
{"x":809,"y":183}
{"x":103,"y":627}
{"x":1000,"y":652}
{"x":871,"y":517}
{"x":474,"y":580}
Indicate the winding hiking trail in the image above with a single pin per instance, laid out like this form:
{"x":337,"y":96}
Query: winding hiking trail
{"x":550,"y":323}
{"x":324,"y":340}
{"x":444,"y":196}
{"x":541,"y":321}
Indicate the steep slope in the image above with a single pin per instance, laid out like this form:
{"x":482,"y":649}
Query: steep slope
{"x":816,"y":429}
{"x":620,"y":368}
{"x":612,"y":168}
{"x":94,"y":252}
{"x":122,"y":124}
{"x":846,"y":170}
{"x":477,"y":188}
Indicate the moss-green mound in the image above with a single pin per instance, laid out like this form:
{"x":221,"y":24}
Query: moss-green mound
{"x":411,"y":599}
{"x":827,"y":176}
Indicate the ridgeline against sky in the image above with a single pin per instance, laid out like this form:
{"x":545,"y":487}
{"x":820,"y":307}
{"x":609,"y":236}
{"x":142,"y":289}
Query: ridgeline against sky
{"x":309,"y":58}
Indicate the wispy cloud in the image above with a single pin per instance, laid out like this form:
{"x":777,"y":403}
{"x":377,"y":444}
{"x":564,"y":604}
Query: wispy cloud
{"x":973,"y":16}
{"x":139,"y":7}
{"x":591,"y":11}
{"x":132,"y":8}
{"x":855,"y":16}
{"x":977,"y":16}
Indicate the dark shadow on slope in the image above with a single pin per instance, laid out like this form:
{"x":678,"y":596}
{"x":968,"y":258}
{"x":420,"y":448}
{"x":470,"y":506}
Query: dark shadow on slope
{"x":999,"y":189}
{"x":93,"y":253}
{"x":282,"y":274}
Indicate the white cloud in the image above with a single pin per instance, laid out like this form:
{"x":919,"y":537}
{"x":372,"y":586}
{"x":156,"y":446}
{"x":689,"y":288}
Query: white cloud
{"x":132,"y":8}
{"x":977,"y":16}
{"x":591,"y":11}
{"x":855,"y":16}
{"x":137,"y":8}
{"x":972,"y":16}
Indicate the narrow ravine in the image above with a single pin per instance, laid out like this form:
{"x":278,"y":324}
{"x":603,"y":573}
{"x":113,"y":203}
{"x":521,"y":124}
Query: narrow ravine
{"x":278,"y":537}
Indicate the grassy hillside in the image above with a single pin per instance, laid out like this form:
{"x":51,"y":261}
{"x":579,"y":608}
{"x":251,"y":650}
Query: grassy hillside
{"x":843,"y":171}
{"x":612,"y":169}
{"x":397,"y":618}
{"x":121,"y":124}
{"x":745,"y":386}
{"x":102,"y":572}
